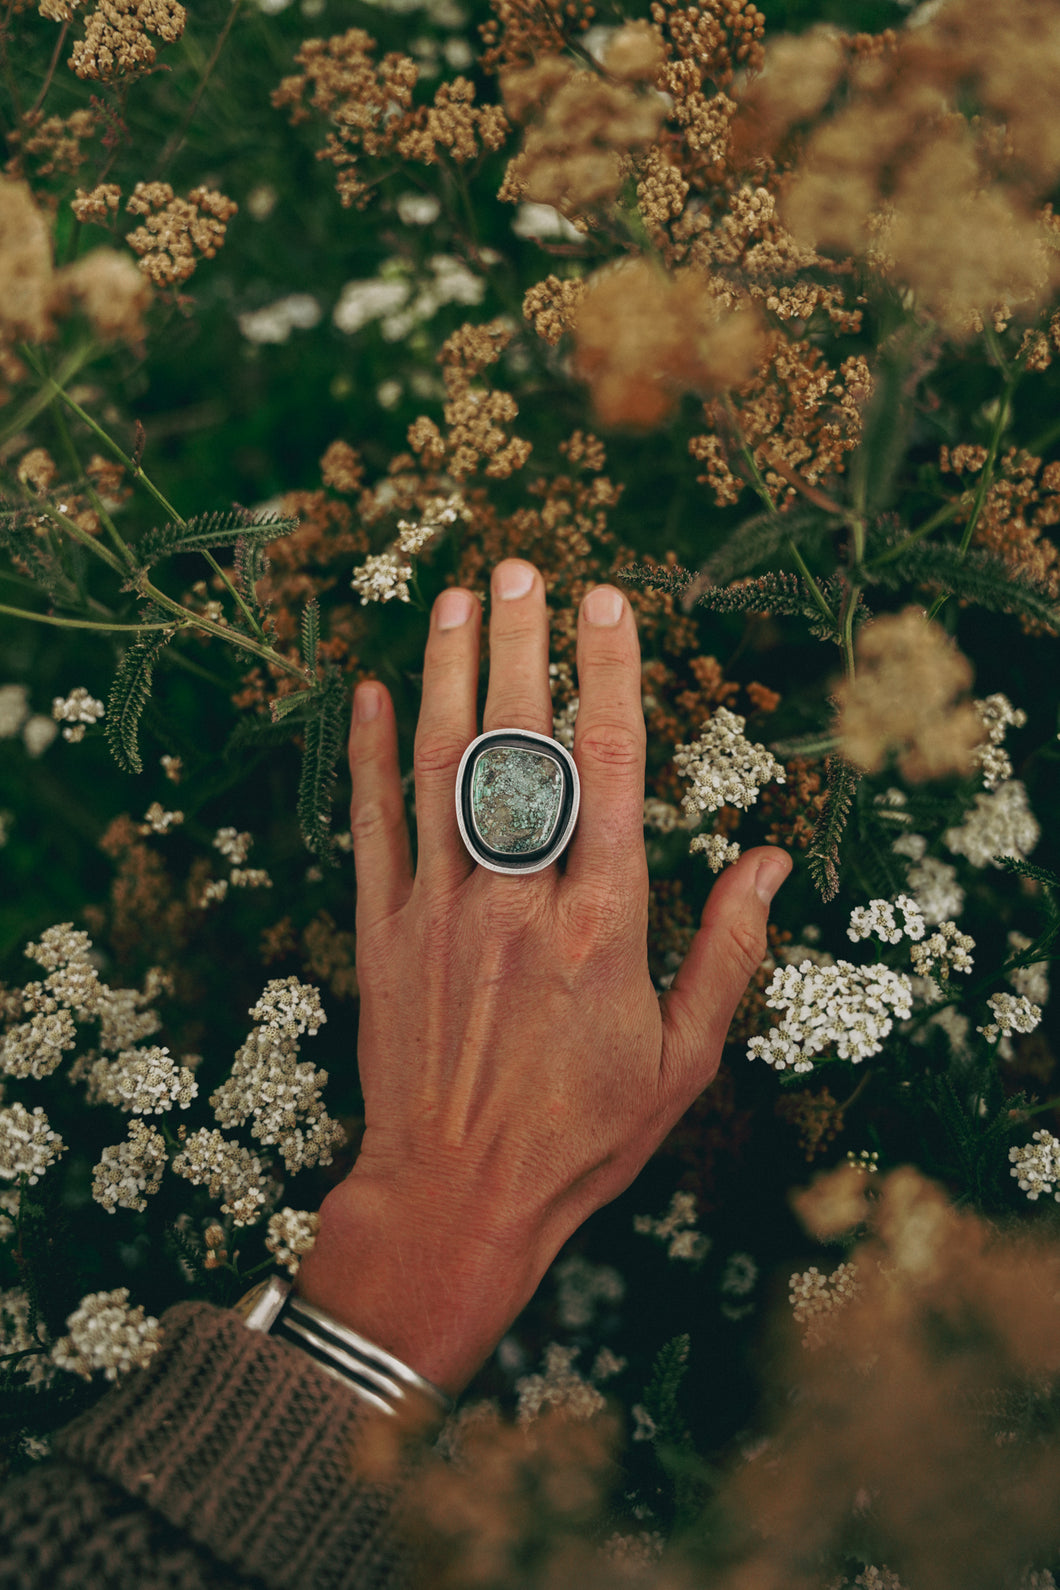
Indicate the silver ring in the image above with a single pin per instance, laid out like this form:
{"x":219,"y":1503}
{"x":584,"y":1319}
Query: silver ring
{"x":517,"y":798}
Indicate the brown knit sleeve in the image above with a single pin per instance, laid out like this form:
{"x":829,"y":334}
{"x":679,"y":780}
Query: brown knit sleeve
{"x":240,"y":1452}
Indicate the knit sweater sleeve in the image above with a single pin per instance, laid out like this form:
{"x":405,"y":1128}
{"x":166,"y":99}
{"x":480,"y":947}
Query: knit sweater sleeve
{"x":230,"y":1460}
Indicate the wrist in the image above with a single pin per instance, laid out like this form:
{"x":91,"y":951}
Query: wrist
{"x":437,"y":1293}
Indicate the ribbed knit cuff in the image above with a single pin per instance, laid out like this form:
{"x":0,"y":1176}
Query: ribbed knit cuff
{"x":242,"y":1442}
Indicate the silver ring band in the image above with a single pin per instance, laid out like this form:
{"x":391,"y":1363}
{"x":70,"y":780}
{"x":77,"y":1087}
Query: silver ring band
{"x":517,"y":799}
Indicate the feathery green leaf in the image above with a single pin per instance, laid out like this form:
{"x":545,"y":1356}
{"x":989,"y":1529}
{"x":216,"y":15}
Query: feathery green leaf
{"x":823,"y":854}
{"x":310,"y":634}
{"x":978,"y":577}
{"x":210,"y":530}
{"x":324,"y":734}
{"x":758,"y":540}
{"x":130,"y":692}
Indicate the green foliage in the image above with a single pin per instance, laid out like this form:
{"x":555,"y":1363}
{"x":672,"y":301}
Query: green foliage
{"x":823,"y":855}
{"x":974,"y":576}
{"x":761,"y":539}
{"x":232,"y":527}
{"x":131,"y":691}
{"x":663,"y":1386}
{"x":325,"y":732}
{"x":310,"y":634}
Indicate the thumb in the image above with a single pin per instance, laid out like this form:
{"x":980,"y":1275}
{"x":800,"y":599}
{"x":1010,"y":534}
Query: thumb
{"x":728,"y":949}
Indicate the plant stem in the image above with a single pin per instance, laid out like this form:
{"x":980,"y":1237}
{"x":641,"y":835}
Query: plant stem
{"x":42,"y":399}
{"x":78,"y":623}
{"x":174,"y":143}
{"x":104,"y":517}
{"x":50,"y":73}
{"x":948,"y":510}
{"x":1001,"y":419}
{"x":235,"y":637}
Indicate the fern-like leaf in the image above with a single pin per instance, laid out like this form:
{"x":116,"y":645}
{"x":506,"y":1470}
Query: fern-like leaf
{"x":210,"y":530}
{"x":131,"y":691}
{"x":324,"y":734}
{"x":823,"y":854}
{"x":310,"y":634}
{"x":650,"y":577}
{"x":978,"y":577}
{"x":282,"y":707}
{"x":664,"y":1383}
{"x":760,"y":539}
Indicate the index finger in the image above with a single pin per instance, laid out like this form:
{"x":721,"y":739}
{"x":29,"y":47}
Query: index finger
{"x":609,"y":748}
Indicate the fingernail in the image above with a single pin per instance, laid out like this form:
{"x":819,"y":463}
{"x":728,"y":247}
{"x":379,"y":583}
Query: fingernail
{"x":367,"y":699}
{"x":603,"y":606}
{"x":452,"y":608}
{"x":770,"y":875}
{"x":513,"y":579}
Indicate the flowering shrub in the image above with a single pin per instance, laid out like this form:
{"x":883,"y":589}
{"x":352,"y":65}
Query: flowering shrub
{"x":299,"y":327}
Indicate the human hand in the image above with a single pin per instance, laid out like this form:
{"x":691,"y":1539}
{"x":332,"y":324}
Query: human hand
{"x":518,"y":1067}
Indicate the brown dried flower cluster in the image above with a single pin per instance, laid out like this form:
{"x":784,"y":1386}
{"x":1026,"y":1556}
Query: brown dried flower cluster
{"x":366,"y":104}
{"x":99,"y":204}
{"x":473,"y":414}
{"x":453,"y":123}
{"x":930,"y":156}
{"x":177,"y":233}
{"x":50,"y":143}
{"x":644,"y":337}
{"x":904,"y":699}
{"x":1020,"y":506}
{"x":117,"y":43}
{"x":576,"y":150}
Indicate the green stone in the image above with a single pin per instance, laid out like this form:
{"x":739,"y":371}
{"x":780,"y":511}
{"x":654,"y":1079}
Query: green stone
{"x":516,"y":798}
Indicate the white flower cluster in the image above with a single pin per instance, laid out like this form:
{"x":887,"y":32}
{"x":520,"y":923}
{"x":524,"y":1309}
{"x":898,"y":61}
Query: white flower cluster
{"x":816,"y":1299}
{"x":726,"y":769}
{"x":290,"y":1234}
{"x":663,"y":818}
{"x":209,"y":1159}
{"x":842,"y":1009}
{"x":582,"y":1287}
{"x":141,"y":1081}
{"x":878,"y":919}
{"x":27,"y":1144}
{"x":1032,"y":980}
{"x":558,"y":1386}
{"x":36,"y":730}
{"x":280,"y":1097}
{"x":36,"y":1367}
{"x":719,"y":851}
{"x":158,"y":821}
{"x":125,"y":1017}
{"x":998,"y":715}
{"x":677,"y":1228}
{"x":382,"y":577}
{"x":1000,"y":824}
{"x":76,"y":710}
{"x":130,"y":1172}
{"x":632,"y":1554}
{"x":1012,"y":1013}
{"x":173,"y":767}
{"x":1036,"y":1166}
{"x":233,"y":845}
{"x":105,"y":1333}
{"x":288,"y":1008}
{"x":34,"y":1048}
{"x":439,"y":514}
{"x":249,"y":878}
{"x":948,"y":949}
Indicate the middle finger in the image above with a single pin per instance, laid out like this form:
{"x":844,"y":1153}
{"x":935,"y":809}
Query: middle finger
{"x":518,"y":696}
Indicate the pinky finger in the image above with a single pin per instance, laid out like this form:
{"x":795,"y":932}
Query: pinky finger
{"x":381,"y":850}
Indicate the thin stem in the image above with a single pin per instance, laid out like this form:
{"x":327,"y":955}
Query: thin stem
{"x":175,"y":142}
{"x":73,"y":528}
{"x":986,"y":480}
{"x":93,"y":495}
{"x":42,"y":399}
{"x":815,"y":589}
{"x":50,"y":73}
{"x":76,"y":623}
{"x":235,"y":637}
{"x":948,"y":510}
{"x":248,"y":614}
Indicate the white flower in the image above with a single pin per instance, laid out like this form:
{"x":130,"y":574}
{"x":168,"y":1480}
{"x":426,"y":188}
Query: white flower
{"x":934,"y":887}
{"x":664,"y":818}
{"x":213,"y":889}
{"x":948,"y":950}
{"x":1001,"y":824}
{"x":105,"y":1333}
{"x":844,"y":1010}
{"x":289,"y":1007}
{"x":677,"y":1228}
{"x":275,"y":322}
{"x":1012,"y":1013}
{"x":36,"y":1047}
{"x":438,"y":515}
{"x":418,"y":209}
{"x":130,"y":1172}
{"x":719,"y":851}
{"x":35,"y":1368}
{"x":249,"y":878}
{"x":382,"y":578}
{"x":209,"y":1159}
{"x":726,"y":769}
{"x":173,"y":767}
{"x":997,"y":714}
{"x":14,"y":710}
{"x":1036,"y":1166}
{"x":582,"y":1288}
{"x":878,"y":918}
{"x":158,"y":821}
{"x":364,"y":301}
{"x":290,"y":1234}
{"x":38,"y":732}
{"x":816,"y":1299}
{"x":630,"y":1554}
{"x":27,"y":1143}
{"x":559,"y":1386}
{"x":61,"y":945}
{"x":233,"y":845}
{"x":76,"y":710}
{"x":142,"y":1081}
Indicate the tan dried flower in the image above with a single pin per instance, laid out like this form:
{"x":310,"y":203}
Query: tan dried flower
{"x":38,"y":469}
{"x":903,"y":699}
{"x":99,"y":204}
{"x":475,"y":415}
{"x":645,"y":337}
{"x":341,"y":468}
{"x":110,"y":290}
{"x":177,"y":232}
{"x":26,"y":273}
{"x":635,"y":53}
{"x":453,"y":123}
{"x":116,"y":42}
{"x":51,"y":143}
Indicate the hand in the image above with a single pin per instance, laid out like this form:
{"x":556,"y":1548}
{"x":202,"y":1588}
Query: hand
{"x":517,"y":1065}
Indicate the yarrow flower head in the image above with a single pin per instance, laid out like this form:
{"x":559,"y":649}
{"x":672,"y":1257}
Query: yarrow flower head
{"x":157,"y":820}
{"x":291,"y":1233}
{"x":289,"y":1007}
{"x":997,"y":714}
{"x":130,"y":1172}
{"x":381,"y":578}
{"x":841,"y":1010}
{"x":719,"y":851}
{"x":105,"y":1333}
{"x":142,"y":1081}
{"x":726,"y":769}
{"x":677,"y":1228}
{"x":439,"y":513}
{"x":816,"y":1299}
{"x":948,"y":950}
{"x":1000,"y":824}
{"x":877,"y":919}
{"x":559,"y":1386}
{"x":1012,"y":1013}
{"x":76,"y":710}
{"x":27,"y":1143}
{"x":233,"y":845}
{"x":1032,"y":980}
{"x":1036,"y":1166}
{"x":210,"y":1159}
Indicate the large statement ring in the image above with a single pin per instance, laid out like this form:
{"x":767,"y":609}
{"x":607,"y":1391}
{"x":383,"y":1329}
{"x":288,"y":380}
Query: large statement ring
{"x":517,"y":797}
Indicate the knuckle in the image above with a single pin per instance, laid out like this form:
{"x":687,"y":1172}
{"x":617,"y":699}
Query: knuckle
{"x":611,"y":744}
{"x":594,"y":917}
{"x":435,"y":754}
{"x":370,"y":820}
{"x":747,"y":946}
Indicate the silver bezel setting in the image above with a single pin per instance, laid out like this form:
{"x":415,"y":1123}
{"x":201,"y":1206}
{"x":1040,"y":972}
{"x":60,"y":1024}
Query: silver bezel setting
{"x":534,"y":860}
